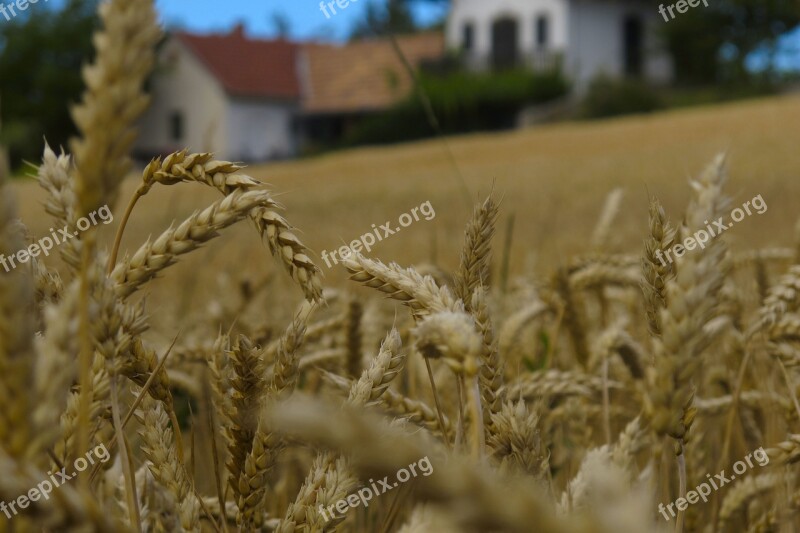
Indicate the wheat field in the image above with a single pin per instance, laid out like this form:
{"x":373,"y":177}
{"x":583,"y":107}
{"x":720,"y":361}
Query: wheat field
{"x":589,"y":386}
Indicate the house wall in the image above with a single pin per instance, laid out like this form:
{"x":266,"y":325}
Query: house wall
{"x":596,"y":41}
{"x":259,"y":130}
{"x":589,"y":33}
{"x":182,"y":84}
{"x":483,"y":13}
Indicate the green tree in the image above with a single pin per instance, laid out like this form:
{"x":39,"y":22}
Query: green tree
{"x":379,"y":20}
{"x":712,"y":44}
{"x":41,"y":53}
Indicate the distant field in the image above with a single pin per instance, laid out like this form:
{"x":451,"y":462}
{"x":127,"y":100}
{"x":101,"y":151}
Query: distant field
{"x":554,"y":179}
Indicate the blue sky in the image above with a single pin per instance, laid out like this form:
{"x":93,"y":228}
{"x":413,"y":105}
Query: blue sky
{"x":305,"y":17}
{"x":307,"y":21}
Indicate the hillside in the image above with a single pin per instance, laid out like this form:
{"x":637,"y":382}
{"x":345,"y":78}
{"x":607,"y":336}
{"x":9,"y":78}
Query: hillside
{"x":554,"y":179}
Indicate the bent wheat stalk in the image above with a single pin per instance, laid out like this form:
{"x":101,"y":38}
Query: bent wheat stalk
{"x":202,"y":226}
{"x":223,"y":176}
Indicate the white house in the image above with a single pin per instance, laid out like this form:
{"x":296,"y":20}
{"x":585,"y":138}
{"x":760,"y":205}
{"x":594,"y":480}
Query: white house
{"x":234,"y":96}
{"x":248,"y":99}
{"x":586,"y":37}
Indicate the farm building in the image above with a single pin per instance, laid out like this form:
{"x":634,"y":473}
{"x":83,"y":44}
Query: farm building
{"x":584,"y":37}
{"x":256,"y":99}
{"x":251,"y":99}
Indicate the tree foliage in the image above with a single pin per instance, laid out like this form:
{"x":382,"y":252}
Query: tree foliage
{"x":711,"y":45}
{"x":394,"y":17}
{"x":41,"y":53}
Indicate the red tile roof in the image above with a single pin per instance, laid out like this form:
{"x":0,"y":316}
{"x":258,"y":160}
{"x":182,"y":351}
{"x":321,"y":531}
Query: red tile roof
{"x":354,"y":77}
{"x":364,"y":75}
{"x":248,"y":67}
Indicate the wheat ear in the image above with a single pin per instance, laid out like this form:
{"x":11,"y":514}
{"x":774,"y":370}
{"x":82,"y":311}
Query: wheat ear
{"x":555,"y":383}
{"x":420,"y":293}
{"x":48,"y":284}
{"x":56,"y":176}
{"x":223,"y":176}
{"x":286,"y":369}
{"x":383,"y":369}
{"x":267,"y":446}
{"x":66,"y":447}
{"x":153,"y":257}
{"x":159,"y":448}
{"x":691,"y":304}
{"x":453,"y":338}
{"x":516,"y":442}
{"x":656,"y":269}
{"x":401,"y":406}
{"x":113,"y":100}
{"x":745,"y":492}
{"x":473,"y":272}
{"x":490,"y":377}
{"x":602,"y":228}
{"x":248,"y":386}
{"x":471,"y":492}
{"x":330,"y":478}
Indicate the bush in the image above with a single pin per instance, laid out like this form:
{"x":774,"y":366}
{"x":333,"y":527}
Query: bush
{"x":608,"y":97}
{"x":462,"y":102}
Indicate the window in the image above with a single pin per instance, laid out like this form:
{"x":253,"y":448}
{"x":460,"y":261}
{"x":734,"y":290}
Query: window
{"x":542,"y":31}
{"x":632,"y":38}
{"x":468,"y":37}
{"x":176,"y":125}
{"x":505,"y":53}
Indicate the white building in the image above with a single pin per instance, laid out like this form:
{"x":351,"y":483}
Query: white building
{"x":586,"y":37}
{"x":227,"y":94}
{"x":247,"y":99}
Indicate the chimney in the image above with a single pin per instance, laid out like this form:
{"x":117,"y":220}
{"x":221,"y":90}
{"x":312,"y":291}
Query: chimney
{"x":238,"y":30}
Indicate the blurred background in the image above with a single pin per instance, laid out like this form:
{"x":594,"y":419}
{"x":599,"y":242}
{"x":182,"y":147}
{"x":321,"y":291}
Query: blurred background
{"x":256,"y":81}
{"x":358,"y":110}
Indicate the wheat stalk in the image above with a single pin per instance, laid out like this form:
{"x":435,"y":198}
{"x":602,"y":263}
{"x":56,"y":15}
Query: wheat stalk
{"x":113,"y":100}
{"x":473,"y":272}
{"x":159,"y":448}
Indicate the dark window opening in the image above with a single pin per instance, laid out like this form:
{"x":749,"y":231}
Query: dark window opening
{"x":176,"y":126}
{"x":468,"y":37}
{"x":633,"y":39}
{"x":542,"y":31}
{"x":504,"y":43}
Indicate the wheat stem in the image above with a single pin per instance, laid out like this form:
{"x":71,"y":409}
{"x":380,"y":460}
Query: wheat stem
{"x":112,"y":259}
{"x":130,"y":481}
{"x":681,"y":488}
{"x":439,"y":412}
